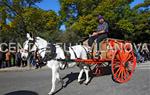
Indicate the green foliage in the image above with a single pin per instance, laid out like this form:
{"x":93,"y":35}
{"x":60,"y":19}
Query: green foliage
{"x":79,"y":17}
{"x":71,"y":10}
{"x":85,"y":25}
{"x":141,"y":21}
{"x":11,"y":10}
{"x":38,"y":21}
{"x":70,"y":37}
{"x":24,"y":17}
{"x":124,"y":23}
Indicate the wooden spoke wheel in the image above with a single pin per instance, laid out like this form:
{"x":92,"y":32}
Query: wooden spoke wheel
{"x":123,"y":65}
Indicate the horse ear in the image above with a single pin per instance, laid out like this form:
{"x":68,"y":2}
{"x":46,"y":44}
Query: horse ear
{"x":28,"y":35}
{"x":31,"y":35}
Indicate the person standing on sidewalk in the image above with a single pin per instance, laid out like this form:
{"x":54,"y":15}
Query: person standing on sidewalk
{"x":18,"y":58}
{"x":8,"y":58}
{"x":1,"y":57}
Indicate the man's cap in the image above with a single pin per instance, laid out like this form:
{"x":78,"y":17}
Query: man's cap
{"x":100,"y":17}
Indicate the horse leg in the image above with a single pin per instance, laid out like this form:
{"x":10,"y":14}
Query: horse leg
{"x":54,"y":77}
{"x":80,"y":75}
{"x":87,"y":74}
{"x":59,"y":78}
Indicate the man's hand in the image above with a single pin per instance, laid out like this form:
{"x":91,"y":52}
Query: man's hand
{"x":94,"y":34}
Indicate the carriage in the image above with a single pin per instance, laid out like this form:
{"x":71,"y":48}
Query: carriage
{"x":118,"y":54}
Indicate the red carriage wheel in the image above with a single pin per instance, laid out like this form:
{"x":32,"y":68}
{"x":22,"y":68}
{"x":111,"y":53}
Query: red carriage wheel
{"x":123,"y":65}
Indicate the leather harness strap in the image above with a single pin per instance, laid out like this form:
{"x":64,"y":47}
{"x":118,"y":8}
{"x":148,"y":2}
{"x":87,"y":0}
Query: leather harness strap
{"x":65,"y":62}
{"x":85,"y":51}
{"x":74,"y":52}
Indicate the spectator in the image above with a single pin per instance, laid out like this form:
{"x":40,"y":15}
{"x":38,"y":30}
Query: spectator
{"x":37,"y":58}
{"x":8,"y":58}
{"x":137,"y":52}
{"x":18,"y":58}
{"x":13,"y":63}
{"x":145,"y":52}
{"x":1,"y":58}
{"x":32,"y":59}
{"x":149,"y":52}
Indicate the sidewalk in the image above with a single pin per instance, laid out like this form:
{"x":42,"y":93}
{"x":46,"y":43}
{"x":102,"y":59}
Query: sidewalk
{"x":16,"y":69}
{"x":145,"y":65}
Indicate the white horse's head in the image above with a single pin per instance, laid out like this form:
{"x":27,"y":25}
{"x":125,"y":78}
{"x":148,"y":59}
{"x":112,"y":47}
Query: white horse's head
{"x":29,"y":36}
{"x":26,"y":47}
{"x":31,"y":45}
{"x":38,"y":43}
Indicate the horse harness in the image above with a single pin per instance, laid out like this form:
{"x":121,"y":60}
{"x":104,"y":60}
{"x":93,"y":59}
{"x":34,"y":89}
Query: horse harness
{"x":50,"y":52}
{"x":68,"y":59}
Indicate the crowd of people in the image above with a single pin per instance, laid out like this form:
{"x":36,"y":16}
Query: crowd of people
{"x":9,"y":59}
{"x":142,"y":52}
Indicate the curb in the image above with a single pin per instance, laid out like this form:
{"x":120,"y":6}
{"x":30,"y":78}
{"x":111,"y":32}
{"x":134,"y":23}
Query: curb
{"x":21,"y":69}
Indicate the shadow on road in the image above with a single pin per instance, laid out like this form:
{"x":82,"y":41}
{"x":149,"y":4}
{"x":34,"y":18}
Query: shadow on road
{"x":23,"y":92}
{"x":71,"y":77}
{"x":74,"y":76}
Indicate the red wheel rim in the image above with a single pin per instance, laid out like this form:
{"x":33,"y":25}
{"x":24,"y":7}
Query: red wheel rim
{"x":123,"y":65}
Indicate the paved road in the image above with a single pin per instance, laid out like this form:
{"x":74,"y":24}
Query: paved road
{"x":38,"y":82}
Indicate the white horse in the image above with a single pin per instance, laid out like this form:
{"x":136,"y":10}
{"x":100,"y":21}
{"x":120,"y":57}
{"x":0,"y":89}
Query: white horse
{"x":24,"y":53}
{"x":54,"y":64}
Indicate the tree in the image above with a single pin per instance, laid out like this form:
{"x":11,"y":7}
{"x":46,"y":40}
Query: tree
{"x":142,"y":22}
{"x":71,"y":10}
{"x":70,"y":37}
{"x":10,"y":9}
{"x":116,"y":12}
{"x":37,"y":21}
{"x":80,"y":16}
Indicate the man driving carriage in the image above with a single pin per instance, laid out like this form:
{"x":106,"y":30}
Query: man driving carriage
{"x":100,"y":34}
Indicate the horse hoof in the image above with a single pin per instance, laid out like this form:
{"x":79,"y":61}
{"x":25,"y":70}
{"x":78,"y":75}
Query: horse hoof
{"x":50,"y":93}
{"x":80,"y":82}
{"x":86,"y":83}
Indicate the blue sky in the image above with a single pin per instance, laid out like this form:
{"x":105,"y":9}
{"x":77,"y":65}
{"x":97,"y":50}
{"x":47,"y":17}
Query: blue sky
{"x":49,"y":4}
{"x":136,"y":2}
{"x":54,"y":4}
